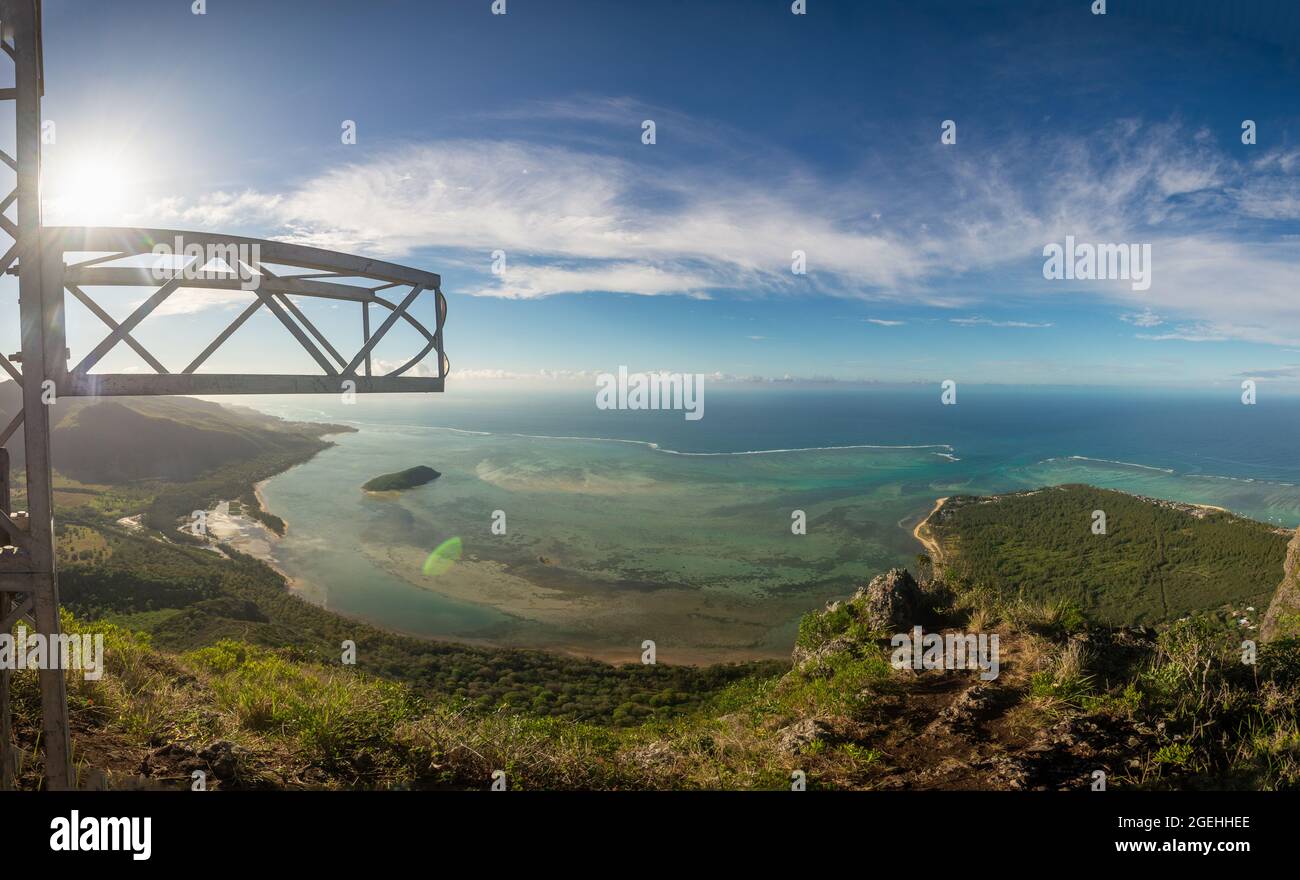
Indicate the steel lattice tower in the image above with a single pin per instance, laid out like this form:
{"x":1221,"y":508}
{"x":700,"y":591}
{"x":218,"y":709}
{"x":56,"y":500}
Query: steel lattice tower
{"x":28,"y":576}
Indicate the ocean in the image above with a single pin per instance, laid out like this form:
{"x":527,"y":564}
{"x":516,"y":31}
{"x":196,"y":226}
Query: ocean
{"x":625,"y":526}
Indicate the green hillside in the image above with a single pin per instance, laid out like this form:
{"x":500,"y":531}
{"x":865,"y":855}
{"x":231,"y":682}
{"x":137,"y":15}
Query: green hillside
{"x":1175,"y":709}
{"x":180,"y":453}
{"x":187,"y":597}
{"x":1157,"y":561}
{"x":175,"y":439}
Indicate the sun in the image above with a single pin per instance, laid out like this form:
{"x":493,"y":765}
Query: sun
{"x":87,"y":191}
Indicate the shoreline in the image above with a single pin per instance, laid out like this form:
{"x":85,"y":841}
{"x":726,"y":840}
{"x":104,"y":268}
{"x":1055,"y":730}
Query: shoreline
{"x":929,"y":543}
{"x":245,"y":534}
{"x":261,"y":498}
{"x":543,"y":609}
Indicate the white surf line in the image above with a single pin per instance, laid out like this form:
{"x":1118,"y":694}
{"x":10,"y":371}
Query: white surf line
{"x":1253,"y":480}
{"x":1257,"y":481}
{"x":650,"y":443}
{"x":1145,"y":467}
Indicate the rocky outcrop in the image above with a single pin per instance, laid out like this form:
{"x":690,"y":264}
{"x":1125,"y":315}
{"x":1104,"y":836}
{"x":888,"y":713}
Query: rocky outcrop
{"x":892,"y":601}
{"x":1283,"y":615}
{"x":976,"y":705}
{"x":797,"y":737}
{"x":222,"y":759}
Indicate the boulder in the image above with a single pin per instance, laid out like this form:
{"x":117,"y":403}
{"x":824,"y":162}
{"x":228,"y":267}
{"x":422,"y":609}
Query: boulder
{"x":798,"y":736}
{"x":892,"y":601}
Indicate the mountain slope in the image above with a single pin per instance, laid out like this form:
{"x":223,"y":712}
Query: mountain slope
{"x":1170,"y":710}
{"x":1283,"y":617}
{"x":129,"y":439}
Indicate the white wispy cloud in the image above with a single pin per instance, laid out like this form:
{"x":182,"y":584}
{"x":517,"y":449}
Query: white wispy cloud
{"x":1190,"y":333}
{"x":579,"y":220}
{"x":542,"y":204}
{"x":217,"y":210}
{"x":987,"y":322}
{"x":1144,"y":318}
{"x":647,"y":279}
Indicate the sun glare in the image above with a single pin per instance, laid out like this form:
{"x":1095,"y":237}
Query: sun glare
{"x":90,"y":192}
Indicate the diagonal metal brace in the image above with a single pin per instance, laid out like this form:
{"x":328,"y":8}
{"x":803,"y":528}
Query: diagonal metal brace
{"x":113,"y":338}
{"x":114,"y":326}
{"x":392,"y":319}
{"x":20,"y":612}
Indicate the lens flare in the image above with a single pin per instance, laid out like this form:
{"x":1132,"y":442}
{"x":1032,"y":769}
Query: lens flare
{"x":443,"y":558}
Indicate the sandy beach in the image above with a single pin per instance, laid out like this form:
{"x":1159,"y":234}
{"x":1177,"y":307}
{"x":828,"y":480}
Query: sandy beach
{"x":248,"y":536}
{"x":922,"y":533}
{"x":261,"y":499}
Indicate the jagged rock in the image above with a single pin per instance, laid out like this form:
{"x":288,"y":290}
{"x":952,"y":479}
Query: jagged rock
{"x":169,"y":759}
{"x":891,"y":601}
{"x":975,"y":705}
{"x":1011,"y":771}
{"x":223,"y":757}
{"x":1064,"y":756}
{"x":1284,"y":609}
{"x":168,"y":754}
{"x":794,"y":739}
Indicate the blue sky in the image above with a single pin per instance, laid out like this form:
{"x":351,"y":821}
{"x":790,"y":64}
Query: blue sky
{"x":775,"y":133}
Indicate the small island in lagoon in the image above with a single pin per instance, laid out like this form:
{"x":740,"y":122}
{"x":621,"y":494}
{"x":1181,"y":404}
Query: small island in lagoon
{"x":402,"y":480}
